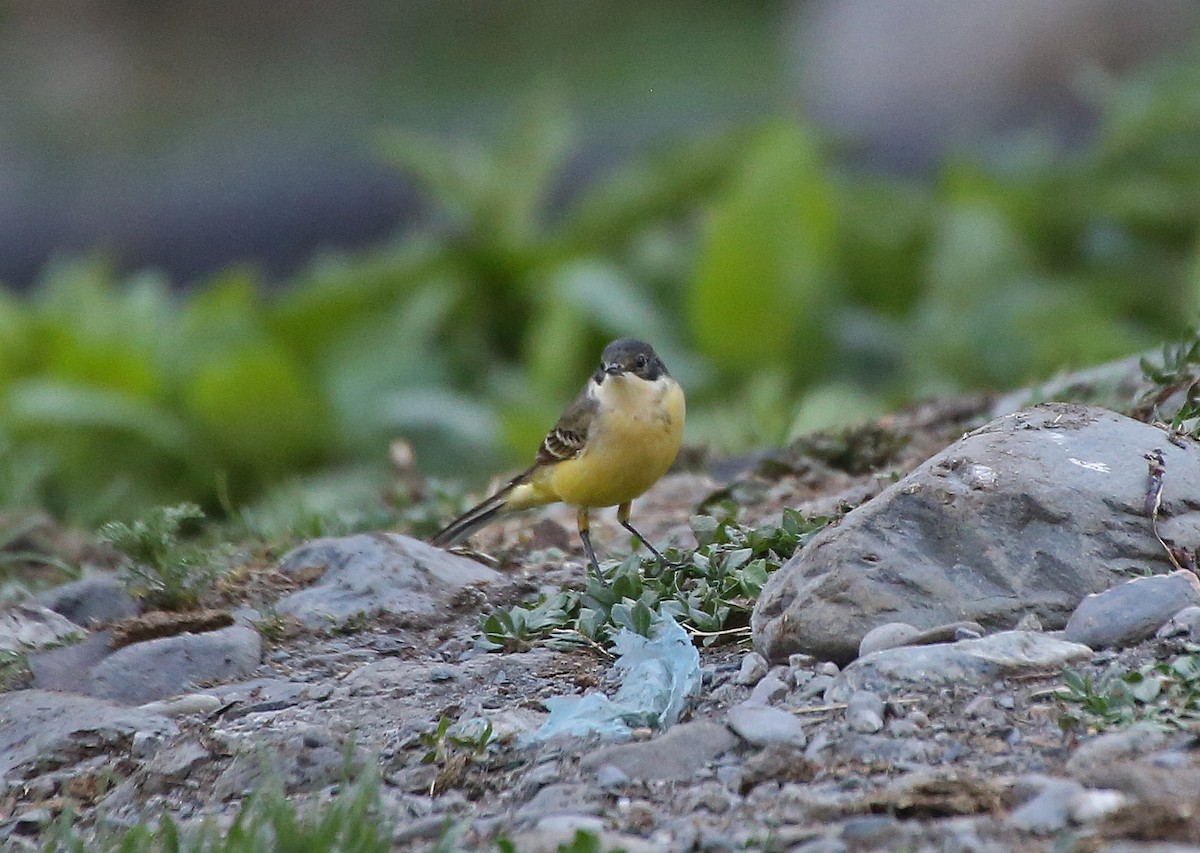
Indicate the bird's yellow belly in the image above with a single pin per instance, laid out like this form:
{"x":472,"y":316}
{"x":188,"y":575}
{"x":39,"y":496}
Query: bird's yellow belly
{"x":626,"y":458}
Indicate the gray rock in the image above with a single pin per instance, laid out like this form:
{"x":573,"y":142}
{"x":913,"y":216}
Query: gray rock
{"x":1059,"y":515}
{"x":864,"y":712}
{"x":762,"y":725}
{"x":1089,"y":806}
{"x":1131,"y":611}
{"x":409,"y":580}
{"x":30,"y":626}
{"x":65,"y":668}
{"x":769,"y":690}
{"x":611,"y":777}
{"x":895,"y":634}
{"x":160,"y":668}
{"x":171,"y":765}
{"x":92,"y":600}
{"x":900,"y":753}
{"x":871,"y":832}
{"x":304,"y":758}
{"x":967,"y":662}
{"x":1048,"y":811}
{"x":192,"y":703}
{"x":1028,"y":622}
{"x":676,"y":755}
{"x":1185,"y":623}
{"x":1106,"y":749}
{"x":556,"y":832}
{"x":754,"y":667}
{"x":39,"y":727}
{"x":815,"y":686}
{"x":888,"y":636}
{"x":560,"y":798}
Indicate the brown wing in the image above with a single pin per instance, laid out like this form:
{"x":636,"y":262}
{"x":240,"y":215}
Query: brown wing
{"x":569,"y":436}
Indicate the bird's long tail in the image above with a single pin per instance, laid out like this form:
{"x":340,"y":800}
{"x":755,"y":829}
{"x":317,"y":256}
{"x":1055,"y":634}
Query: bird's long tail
{"x":480,"y":515}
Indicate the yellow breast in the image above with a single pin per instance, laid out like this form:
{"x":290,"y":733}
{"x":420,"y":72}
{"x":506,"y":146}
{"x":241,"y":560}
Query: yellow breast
{"x":634,"y":438}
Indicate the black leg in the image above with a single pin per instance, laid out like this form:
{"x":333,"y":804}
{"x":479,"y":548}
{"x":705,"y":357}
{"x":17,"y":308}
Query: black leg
{"x":623,"y":518}
{"x":586,"y":537}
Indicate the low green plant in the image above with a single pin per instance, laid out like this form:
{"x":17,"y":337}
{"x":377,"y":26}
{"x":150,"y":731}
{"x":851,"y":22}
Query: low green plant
{"x":352,"y":821}
{"x":454,"y":747}
{"x":710,"y":591}
{"x":162,"y":569}
{"x":1164,"y":693}
{"x":1174,"y":393}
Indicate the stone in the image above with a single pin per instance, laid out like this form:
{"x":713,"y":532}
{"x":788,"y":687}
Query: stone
{"x":675,"y":755}
{"x":557,"y":832}
{"x":1185,"y":623}
{"x":304,"y":758}
{"x":65,"y":668}
{"x":1059,"y":515}
{"x":560,"y":798}
{"x":769,"y":690}
{"x":1131,"y":611}
{"x":93,"y":600}
{"x":1089,"y":806}
{"x":864,"y":712}
{"x":762,"y":725}
{"x":753,"y":668}
{"x":411,"y":582}
{"x":967,"y":662}
{"x":31,"y":626}
{"x":1050,"y":809}
{"x":157,"y":669}
{"x":40,"y":727}
{"x":1106,"y":749}
{"x":192,"y":703}
{"x":611,"y":777}
{"x":890,"y":635}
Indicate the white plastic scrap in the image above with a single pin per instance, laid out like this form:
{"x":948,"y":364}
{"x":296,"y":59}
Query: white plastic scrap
{"x":659,"y":675}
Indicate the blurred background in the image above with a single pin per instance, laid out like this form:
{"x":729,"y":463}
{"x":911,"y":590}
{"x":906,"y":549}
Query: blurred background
{"x":244,"y":245}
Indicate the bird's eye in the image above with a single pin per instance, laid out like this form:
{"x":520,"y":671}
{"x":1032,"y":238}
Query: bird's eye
{"x":642,"y":361}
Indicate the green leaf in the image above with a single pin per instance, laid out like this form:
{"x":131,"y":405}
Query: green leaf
{"x":763,"y":283}
{"x":42,"y":405}
{"x":258,"y":406}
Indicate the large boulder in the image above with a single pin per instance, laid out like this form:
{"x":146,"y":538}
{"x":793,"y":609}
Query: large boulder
{"x":1026,"y":515}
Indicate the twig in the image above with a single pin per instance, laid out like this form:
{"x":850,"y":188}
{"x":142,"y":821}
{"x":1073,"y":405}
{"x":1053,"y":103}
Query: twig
{"x":696,"y":632}
{"x":1179,"y":557}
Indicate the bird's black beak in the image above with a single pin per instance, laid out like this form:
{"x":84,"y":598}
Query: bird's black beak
{"x":613,"y":369}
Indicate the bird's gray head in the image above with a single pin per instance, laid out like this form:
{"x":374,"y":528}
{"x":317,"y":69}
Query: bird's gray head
{"x":630,"y":356}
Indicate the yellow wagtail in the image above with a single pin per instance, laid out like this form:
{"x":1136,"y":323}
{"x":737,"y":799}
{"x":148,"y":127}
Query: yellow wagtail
{"x":613,"y":443}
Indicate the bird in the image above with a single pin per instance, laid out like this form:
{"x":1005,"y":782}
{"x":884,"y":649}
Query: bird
{"x":614,"y":442}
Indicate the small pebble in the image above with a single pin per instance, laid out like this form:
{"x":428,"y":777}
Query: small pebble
{"x":754,"y":667}
{"x":816,"y":686}
{"x":193,"y":703}
{"x":828,"y":668}
{"x":609,"y":776}
{"x":918,"y":718}
{"x":146,"y":744}
{"x":1093,"y":805}
{"x":801,"y":661}
{"x":768,"y":691}
{"x":442,"y":673}
{"x":1029,"y":622}
{"x":864,"y":712}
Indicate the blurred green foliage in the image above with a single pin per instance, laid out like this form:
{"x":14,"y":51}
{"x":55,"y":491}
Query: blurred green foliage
{"x":784,"y":291}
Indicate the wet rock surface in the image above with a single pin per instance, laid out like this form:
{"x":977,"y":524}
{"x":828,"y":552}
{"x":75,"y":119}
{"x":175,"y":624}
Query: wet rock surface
{"x":951,"y":744}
